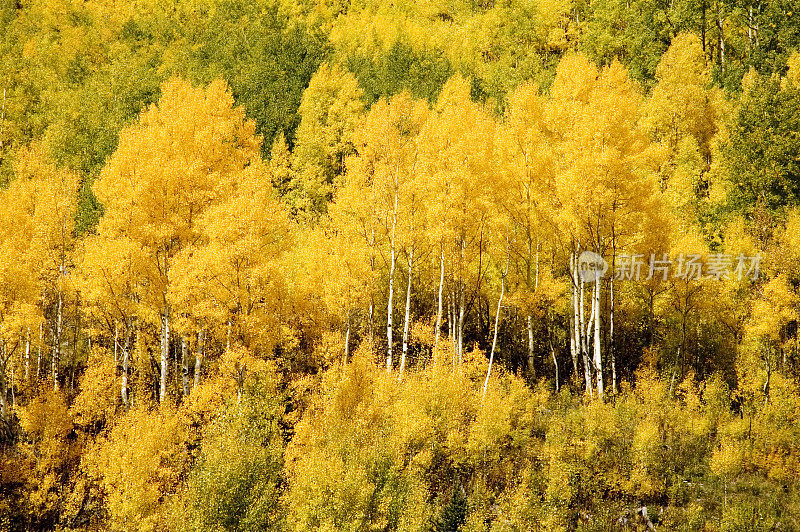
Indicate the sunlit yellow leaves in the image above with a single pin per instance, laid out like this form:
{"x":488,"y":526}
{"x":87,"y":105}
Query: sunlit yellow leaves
{"x":138,"y":465}
{"x":331,"y":109}
{"x":681,"y":104}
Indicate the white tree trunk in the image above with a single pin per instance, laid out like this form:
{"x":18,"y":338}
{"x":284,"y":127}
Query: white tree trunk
{"x":451,"y":321}
{"x":39,"y":352}
{"x":461,"y":309}
{"x":598,"y":359}
{"x":347,"y":342}
{"x":162,"y":394}
{"x":573,"y":345}
{"x":57,"y":341}
{"x":372,"y":291}
{"x":611,"y":338}
{"x":198,"y":360}
{"x":494,"y":339}
{"x":555,"y":361}
{"x":408,"y":313}
{"x":27,"y":354}
{"x":497,"y":320}
{"x":125,"y":362}
{"x":461,"y":327}
{"x":439,"y":312}
{"x":530,"y":346}
{"x":3,"y":383}
{"x":13,"y":395}
{"x":587,"y":365}
{"x":184,"y":367}
{"x":391,"y":292}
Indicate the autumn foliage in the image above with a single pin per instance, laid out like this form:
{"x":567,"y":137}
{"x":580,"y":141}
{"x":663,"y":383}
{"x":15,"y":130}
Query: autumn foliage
{"x":262,"y":270}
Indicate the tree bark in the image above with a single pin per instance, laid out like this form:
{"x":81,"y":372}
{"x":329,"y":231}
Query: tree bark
{"x":611,"y":350}
{"x":3,"y":383}
{"x":198,"y":361}
{"x":125,"y":362}
{"x":461,"y":326}
{"x":461,"y":308}
{"x":439,"y":312}
{"x":57,"y":341}
{"x":555,"y":359}
{"x":598,"y":360}
{"x":450,"y":333}
{"x":162,"y":394}
{"x":347,"y":341}
{"x":496,"y":324}
{"x":720,"y":38}
{"x":408,"y":312}
{"x":184,"y":367}
{"x":391,"y":292}
{"x":573,"y":346}
{"x":13,"y":395}
{"x":372,"y":291}
{"x":39,"y":352}
{"x":587,"y":365}
{"x":27,"y":354}
{"x":530,"y":347}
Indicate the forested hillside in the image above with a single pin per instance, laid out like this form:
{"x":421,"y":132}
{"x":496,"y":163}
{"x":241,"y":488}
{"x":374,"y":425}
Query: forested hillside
{"x":434,"y":266}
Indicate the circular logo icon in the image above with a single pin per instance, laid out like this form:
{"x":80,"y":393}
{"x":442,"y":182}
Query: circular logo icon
{"x":591,"y":266}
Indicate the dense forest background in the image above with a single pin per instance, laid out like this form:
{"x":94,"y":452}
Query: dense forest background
{"x":276,"y":265}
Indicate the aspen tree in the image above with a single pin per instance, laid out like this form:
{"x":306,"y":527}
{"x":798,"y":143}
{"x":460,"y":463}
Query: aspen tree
{"x":379,"y":183}
{"x":605,"y":179}
{"x":181,"y":156}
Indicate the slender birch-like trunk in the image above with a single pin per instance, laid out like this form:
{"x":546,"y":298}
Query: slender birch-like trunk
{"x":611,"y":337}
{"x":587,"y":365}
{"x":555,"y":364}
{"x":391,"y":291}
{"x":57,"y":341}
{"x":116,"y":345}
{"x":530,"y":346}
{"x":555,"y":359}
{"x":590,"y":325}
{"x":198,"y":360}
{"x":494,"y":339}
{"x":39,"y":352}
{"x":496,"y":324}
{"x":573,"y":346}
{"x":461,"y":306}
{"x":598,"y":358}
{"x":2,"y":118}
{"x":408,"y":310}
{"x":461,"y":326}
{"x":184,"y":367}
{"x":372,"y":292}
{"x":720,"y":38}
{"x":13,"y":395}
{"x":347,"y":341}
{"x":162,"y":394}
{"x":3,"y":383}
{"x":27,"y":354}
{"x":439,"y":312}
{"x":451,"y":320}
{"x":125,"y":362}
